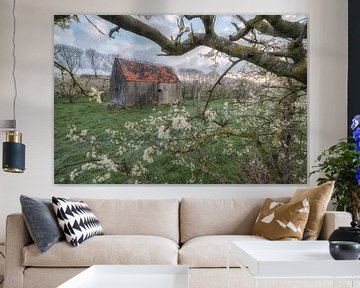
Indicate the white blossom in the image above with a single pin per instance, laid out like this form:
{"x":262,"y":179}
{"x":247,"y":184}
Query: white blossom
{"x":121,"y":151}
{"x":95,"y":95}
{"x":148,"y":153}
{"x":73,"y":174}
{"x":138,"y":170}
{"x":180,"y":122}
{"x":100,"y":179}
{"x":83,"y":132}
{"x":163,"y":133}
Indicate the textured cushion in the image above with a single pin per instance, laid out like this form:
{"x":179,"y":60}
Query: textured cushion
{"x":319,"y":198}
{"x":211,"y":251}
{"x":158,"y":217}
{"x":41,"y":221}
{"x":201,"y":217}
{"x":76,"y":220}
{"x":107,"y":249}
{"x":278,"y":221}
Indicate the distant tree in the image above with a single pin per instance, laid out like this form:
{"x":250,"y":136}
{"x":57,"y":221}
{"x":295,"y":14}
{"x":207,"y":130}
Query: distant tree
{"x":68,"y":56}
{"x":95,"y":59}
{"x":108,"y":61}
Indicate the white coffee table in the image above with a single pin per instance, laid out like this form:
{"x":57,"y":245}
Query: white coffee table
{"x":131,"y":276}
{"x":293,"y":260}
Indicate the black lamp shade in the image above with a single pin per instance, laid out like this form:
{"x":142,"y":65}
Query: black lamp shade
{"x":13,"y":157}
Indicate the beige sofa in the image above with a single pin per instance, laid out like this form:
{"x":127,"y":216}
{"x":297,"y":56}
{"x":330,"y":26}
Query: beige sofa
{"x":194,"y":232}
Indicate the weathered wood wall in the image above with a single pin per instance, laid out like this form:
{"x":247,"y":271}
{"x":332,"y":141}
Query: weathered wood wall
{"x":117,"y":85}
{"x":169,"y":93}
{"x":129,"y":94}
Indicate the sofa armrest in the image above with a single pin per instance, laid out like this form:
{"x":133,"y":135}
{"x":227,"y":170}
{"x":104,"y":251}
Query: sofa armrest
{"x":17,"y":237}
{"x":333,"y":220}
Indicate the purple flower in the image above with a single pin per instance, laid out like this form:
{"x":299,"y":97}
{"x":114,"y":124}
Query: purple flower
{"x":357,"y":176}
{"x":355,"y":122}
{"x":357,"y":147}
{"x":356,"y":134}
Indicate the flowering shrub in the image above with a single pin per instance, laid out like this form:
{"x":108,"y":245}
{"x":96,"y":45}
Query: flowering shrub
{"x":355,"y":126}
{"x":253,"y":142}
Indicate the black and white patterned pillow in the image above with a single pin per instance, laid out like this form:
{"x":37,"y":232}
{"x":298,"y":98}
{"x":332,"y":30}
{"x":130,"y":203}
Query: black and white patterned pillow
{"x":77,"y":220}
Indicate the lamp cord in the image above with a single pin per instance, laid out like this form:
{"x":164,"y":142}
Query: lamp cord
{"x":14,"y":61}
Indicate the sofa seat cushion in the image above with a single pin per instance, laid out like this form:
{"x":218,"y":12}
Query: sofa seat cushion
{"x":107,"y":249}
{"x":211,"y":251}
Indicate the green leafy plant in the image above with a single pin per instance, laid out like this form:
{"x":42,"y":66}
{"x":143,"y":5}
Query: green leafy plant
{"x":341,"y":163}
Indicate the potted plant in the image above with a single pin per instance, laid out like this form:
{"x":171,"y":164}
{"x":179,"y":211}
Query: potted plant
{"x":341,"y":163}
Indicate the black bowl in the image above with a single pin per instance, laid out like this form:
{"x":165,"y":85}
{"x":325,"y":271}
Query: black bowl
{"x":344,"y":250}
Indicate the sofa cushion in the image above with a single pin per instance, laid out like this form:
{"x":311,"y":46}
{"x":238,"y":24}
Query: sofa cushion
{"x":211,"y":251}
{"x":41,"y":221}
{"x":158,"y":217}
{"x":279,"y":221}
{"x":77,"y":220}
{"x":200,"y":217}
{"x":107,"y":249}
{"x":319,"y":198}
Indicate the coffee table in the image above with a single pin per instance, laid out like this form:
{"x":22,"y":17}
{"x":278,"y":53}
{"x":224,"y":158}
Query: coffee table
{"x":131,"y":276}
{"x":293,"y":260}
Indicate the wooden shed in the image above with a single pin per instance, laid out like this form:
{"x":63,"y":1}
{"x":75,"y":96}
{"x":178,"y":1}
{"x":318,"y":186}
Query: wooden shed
{"x":143,"y":84}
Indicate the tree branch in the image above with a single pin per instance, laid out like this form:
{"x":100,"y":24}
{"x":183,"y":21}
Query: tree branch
{"x":283,"y":28}
{"x":75,"y":82}
{"x":242,"y":32}
{"x":251,"y":54}
{"x":234,"y":63}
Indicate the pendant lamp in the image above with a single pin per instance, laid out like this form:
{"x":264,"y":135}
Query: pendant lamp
{"x":13,"y":149}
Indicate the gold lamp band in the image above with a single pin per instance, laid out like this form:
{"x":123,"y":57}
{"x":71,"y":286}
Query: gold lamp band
{"x":14,"y":136}
{"x":13,"y":170}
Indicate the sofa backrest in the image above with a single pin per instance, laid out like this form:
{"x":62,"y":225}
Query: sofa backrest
{"x":200,"y":217}
{"x":159,"y":217}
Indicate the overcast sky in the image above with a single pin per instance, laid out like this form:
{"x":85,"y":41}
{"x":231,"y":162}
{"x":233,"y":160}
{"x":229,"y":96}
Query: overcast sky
{"x":131,"y":46}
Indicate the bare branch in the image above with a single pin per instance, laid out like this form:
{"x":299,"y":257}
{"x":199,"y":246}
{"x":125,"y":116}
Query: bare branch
{"x":211,"y":91}
{"x":101,"y":32}
{"x":75,"y":82}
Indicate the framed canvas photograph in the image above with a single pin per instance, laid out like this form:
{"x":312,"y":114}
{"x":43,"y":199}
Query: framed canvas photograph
{"x":180,"y":99}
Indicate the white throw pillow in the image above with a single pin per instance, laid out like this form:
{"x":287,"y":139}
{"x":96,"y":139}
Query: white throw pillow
{"x":76,"y":220}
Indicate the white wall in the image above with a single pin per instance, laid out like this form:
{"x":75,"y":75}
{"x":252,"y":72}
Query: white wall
{"x":327,"y":90}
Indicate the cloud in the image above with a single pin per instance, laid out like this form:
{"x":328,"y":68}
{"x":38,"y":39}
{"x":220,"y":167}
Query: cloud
{"x":64,"y":36}
{"x":293,"y":17}
{"x":166,"y":24}
{"x":223,"y":25}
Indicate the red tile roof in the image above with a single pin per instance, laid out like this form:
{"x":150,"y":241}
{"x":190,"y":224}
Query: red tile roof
{"x":145,"y":72}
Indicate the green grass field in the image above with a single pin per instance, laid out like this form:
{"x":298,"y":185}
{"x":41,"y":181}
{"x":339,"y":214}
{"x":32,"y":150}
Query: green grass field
{"x":96,"y":118}
{"x":213,"y":165}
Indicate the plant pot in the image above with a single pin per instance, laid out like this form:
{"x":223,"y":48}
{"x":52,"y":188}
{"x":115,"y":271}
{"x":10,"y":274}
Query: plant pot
{"x":344,"y":250}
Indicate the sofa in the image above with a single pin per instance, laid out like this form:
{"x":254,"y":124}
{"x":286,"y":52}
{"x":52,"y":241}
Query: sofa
{"x":190,"y":231}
